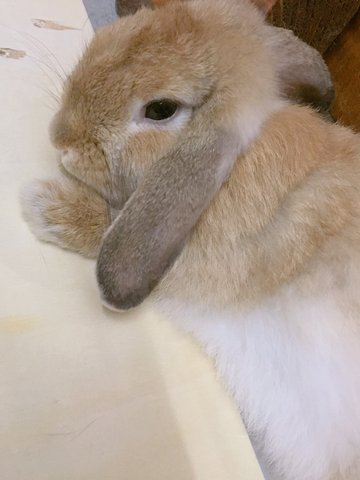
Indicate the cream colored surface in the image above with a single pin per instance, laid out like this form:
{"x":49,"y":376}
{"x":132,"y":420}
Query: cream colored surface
{"x":86,"y":394}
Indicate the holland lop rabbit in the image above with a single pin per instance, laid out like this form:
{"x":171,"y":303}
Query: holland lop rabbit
{"x":193,"y":179}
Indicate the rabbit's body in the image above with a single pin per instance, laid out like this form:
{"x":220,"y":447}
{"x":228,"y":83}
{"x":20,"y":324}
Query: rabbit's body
{"x":276,"y":303}
{"x":240,"y":210}
{"x":292,"y":367}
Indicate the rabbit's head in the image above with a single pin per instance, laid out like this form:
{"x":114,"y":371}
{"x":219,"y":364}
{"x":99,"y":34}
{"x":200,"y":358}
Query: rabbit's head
{"x":144,"y":79}
{"x":155,"y":114}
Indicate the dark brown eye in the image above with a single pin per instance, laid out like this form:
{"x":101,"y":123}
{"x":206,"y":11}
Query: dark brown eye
{"x":161,"y":110}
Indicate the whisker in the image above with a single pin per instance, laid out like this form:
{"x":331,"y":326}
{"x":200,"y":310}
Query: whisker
{"x":57,"y":89}
{"x":62,"y":74}
{"x":55,"y":65}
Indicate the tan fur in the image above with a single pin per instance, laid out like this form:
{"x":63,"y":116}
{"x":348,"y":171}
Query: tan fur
{"x":286,"y":199}
{"x":78,"y":214}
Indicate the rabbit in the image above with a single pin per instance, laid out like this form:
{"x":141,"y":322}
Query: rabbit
{"x":199,"y":186}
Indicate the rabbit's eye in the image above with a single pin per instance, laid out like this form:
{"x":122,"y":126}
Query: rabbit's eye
{"x":161,"y":110}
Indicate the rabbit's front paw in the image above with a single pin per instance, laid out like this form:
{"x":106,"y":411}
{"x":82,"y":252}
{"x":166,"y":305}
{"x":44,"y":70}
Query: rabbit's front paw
{"x":65,"y":213}
{"x":38,"y":200}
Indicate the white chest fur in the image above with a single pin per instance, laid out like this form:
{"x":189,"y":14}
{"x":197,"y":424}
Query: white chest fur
{"x":293,"y":367}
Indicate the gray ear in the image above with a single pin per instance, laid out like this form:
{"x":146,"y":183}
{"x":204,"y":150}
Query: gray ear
{"x":302,"y":72}
{"x":153,"y":227}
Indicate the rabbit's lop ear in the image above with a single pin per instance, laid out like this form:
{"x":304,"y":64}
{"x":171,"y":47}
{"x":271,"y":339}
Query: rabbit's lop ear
{"x":303,"y":75}
{"x":155,"y":223}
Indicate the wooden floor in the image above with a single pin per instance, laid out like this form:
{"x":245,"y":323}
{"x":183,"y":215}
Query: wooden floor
{"x":343,"y":59}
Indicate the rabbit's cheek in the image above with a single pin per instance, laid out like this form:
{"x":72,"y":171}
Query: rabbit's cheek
{"x":147,"y":146}
{"x":88,"y":166}
{"x":68,"y":158}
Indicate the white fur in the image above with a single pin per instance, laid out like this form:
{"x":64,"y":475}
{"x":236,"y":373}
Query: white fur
{"x":249,"y":121}
{"x":33,"y":206}
{"x":69,"y":158}
{"x":293,"y":367}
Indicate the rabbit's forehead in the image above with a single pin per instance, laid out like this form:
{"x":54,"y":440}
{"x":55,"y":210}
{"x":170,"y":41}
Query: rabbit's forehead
{"x":99,"y":94}
{"x":103,"y":84}
{"x":148,"y":50}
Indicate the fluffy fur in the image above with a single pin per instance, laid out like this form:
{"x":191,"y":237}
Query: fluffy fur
{"x":267,"y":276}
{"x":275,"y":301}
